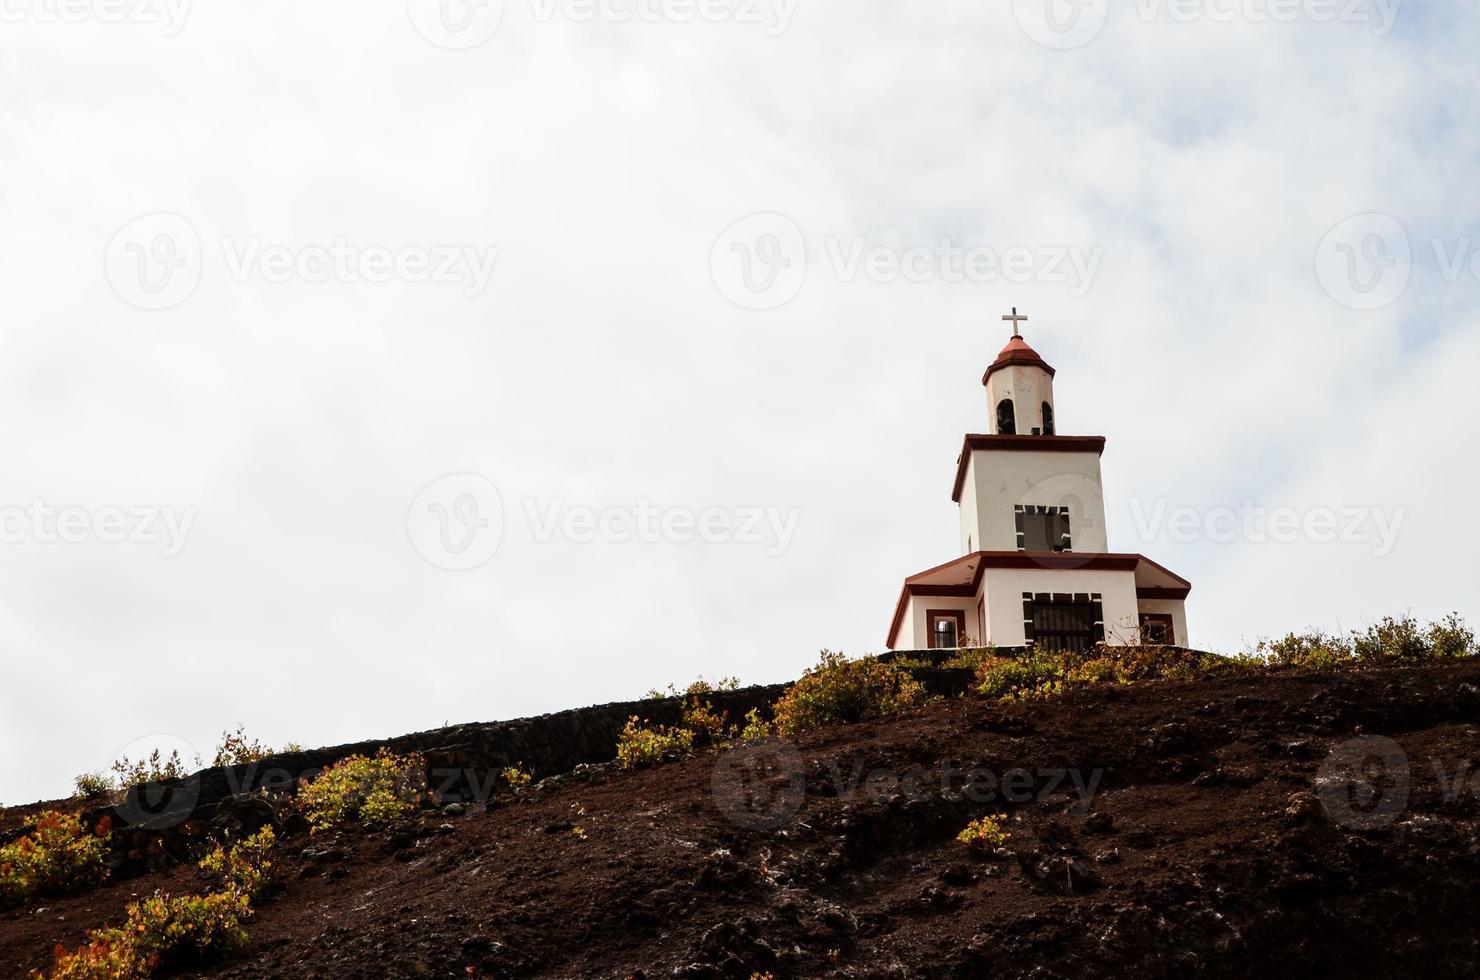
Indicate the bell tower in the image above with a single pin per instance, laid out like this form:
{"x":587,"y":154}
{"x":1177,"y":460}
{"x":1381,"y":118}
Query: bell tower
{"x":1019,"y":387}
{"x":1035,"y":567}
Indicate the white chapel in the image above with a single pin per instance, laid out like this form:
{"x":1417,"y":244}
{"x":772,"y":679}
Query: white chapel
{"x":1036,"y":569}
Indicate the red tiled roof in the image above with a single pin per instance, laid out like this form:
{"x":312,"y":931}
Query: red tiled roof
{"x":1017,"y":353}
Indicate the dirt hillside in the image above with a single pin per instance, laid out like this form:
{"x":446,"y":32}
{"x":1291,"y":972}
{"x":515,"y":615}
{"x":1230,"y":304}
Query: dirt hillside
{"x":1237,"y":827}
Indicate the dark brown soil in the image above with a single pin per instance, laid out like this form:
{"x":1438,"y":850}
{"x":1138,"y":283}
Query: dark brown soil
{"x":1206,"y":851}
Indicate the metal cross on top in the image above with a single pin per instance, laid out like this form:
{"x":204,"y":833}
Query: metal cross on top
{"x":1014,"y":319}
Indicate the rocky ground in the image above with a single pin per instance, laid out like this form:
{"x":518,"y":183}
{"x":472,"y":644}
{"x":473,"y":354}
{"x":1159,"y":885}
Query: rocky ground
{"x":1221,"y":827}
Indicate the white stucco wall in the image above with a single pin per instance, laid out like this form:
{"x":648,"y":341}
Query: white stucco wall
{"x":1005,"y":587}
{"x":996,"y":482}
{"x":905,"y":638}
{"x":1028,"y":387}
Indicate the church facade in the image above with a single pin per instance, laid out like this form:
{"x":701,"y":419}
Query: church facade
{"x":1035,"y":567}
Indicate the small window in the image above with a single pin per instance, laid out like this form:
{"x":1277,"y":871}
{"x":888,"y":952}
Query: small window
{"x":1047,"y":419}
{"x":1006,"y":418}
{"x":1158,"y":629}
{"x":1043,"y":528}
{"x":946,"y":627}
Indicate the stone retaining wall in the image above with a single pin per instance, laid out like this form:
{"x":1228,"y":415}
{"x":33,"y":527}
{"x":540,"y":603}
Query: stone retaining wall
{"x":160,"y":823}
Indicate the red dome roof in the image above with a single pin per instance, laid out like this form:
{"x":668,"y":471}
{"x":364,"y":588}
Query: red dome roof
{"x":1017,"y":353}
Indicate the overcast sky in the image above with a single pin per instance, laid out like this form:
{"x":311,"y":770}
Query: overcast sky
{"x":369,"y":366}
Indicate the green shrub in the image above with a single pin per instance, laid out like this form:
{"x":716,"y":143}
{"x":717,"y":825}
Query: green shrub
{"x":1042,"y":692}
{"x":640,"y":745}
{"x":91,"y":785}
{"x":970,"y":657}
{"x":1217,"y":663}
{"x":107,"y":955}
{"x":756,"y":727}
{"x":1044,"y":675}
{"x":164,"y":932}
{"x":246,"y":868}
{"x":1005,"y":677}
{"x":840,"y":691}
{"x":985,"y":834}
{"x":516,"y":777}
{"x":708,"y":727}
{"x":58,"y":856}
{"x":153,"y":769}
{"x":236,"y":749}
{"x":365,"y":789}
{"x":159,"y":933}
{"x":1451,"y":637}
{"x":1311,"y":650}
{"x":1392,"y":640}
{"x":1096,"y":670}
{"x":1155,"y":662}
{"x":699,"y":688}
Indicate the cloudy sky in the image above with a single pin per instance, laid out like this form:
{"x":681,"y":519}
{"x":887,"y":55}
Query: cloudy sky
{"x":369,"y":366}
